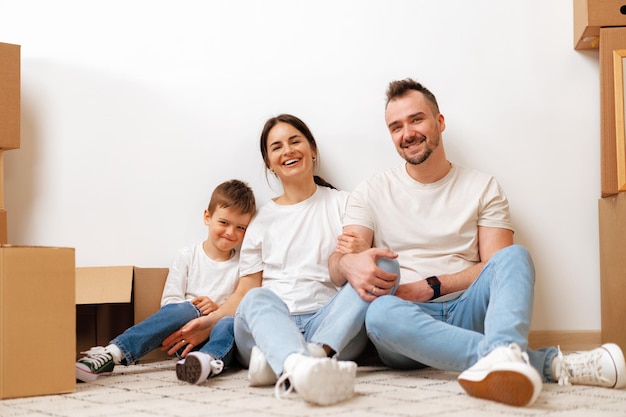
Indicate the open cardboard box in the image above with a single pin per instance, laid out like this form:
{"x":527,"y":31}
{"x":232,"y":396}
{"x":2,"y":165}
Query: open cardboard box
{"x":110,"y":299}
{"x":37,"y":321}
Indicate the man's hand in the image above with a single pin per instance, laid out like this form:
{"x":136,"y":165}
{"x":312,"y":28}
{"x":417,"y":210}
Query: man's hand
{"x":418,"y":291}
{"x":365,"y":276}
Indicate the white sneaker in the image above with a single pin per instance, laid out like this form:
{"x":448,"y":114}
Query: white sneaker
{"x":197,"y":367}
{"x":261,"y":374}
{"x":602,"y":367}
{"x":321,"y":381}
{"x":504,"y":375}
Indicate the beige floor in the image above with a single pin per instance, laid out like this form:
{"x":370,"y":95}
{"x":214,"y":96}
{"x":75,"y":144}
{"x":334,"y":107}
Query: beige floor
{"x":152,"y":389}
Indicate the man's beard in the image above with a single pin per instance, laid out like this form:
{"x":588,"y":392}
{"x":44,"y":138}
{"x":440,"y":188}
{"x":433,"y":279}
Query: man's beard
{"x":418,"y":159}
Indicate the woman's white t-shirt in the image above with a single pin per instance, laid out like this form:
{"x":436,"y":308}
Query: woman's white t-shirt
{"x":194,"y":274}
{"x":291,"y":244}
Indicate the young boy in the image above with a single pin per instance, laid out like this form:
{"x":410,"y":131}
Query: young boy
{"x":200,"y":279}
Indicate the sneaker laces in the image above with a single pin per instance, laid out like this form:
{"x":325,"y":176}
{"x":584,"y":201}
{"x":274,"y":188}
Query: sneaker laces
{"x":283,"y":387}
{"x":97,"y":356}
{"x":582,"y":368}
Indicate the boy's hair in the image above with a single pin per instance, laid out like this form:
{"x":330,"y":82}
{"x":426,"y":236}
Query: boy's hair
{"x":399,"y":88}
{"x":234,"y":193}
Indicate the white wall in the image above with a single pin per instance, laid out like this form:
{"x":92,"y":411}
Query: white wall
{"x":132,"y":111}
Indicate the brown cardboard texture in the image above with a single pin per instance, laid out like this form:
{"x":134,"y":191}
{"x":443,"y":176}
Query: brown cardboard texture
{"x":591,"y":15}
{"x":110,"y":299}
{"x":9,"y":96}
{"x":3,"y":227}
{"x":612,"y":214}
{"x":37,"y":321}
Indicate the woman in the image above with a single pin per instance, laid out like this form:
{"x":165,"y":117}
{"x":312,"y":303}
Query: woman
{"x":299,"y":312}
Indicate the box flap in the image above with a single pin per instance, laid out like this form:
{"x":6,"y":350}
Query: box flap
{"x":104,"y":284}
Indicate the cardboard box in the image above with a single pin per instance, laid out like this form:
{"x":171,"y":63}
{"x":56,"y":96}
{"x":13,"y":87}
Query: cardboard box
{"x":9,"y":96}
{"x":37,"y":321}
{"x":4,"y":235}
{"x":111,"y":299}
{"x":612,"y":217}
{"x":591,"y":15}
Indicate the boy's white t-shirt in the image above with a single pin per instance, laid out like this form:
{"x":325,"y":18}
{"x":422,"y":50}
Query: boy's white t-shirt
{"x":291,"y":244}
{"x":194,"y":274}
{"x":432,"y":227}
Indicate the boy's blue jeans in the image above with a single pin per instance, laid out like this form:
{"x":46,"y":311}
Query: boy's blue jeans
{"x":494,"y":311}
{"x":264,"y":320}
{"x":148,"y":335}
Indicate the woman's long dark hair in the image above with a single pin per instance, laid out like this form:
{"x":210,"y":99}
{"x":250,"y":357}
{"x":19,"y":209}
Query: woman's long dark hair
{"x":302,"y":128}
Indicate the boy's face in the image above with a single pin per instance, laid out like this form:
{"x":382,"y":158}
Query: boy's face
{"x":227,"y":227}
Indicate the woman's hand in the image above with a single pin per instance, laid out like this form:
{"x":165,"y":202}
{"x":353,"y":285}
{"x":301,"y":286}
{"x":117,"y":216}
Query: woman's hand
{"x":351,"y":243}
{"x":205,"y":304}
{"x":190,"y":335}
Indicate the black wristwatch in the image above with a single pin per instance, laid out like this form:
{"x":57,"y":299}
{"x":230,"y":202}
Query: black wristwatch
{"x":435,"y":284}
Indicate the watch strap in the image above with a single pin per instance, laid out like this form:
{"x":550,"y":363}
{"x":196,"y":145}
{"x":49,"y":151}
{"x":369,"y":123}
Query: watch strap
{"x":435,"y":284}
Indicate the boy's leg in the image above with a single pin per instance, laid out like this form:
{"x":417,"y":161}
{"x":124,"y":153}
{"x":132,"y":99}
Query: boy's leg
{"x":212,"y":357}
{"x":148,"y":335}
{"x":135,"y":342}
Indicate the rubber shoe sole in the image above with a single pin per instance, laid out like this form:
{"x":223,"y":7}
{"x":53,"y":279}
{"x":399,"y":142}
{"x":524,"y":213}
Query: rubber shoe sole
{"x":191,"y":370}
{"x":84,"y":374}
{"x":517,"y":385}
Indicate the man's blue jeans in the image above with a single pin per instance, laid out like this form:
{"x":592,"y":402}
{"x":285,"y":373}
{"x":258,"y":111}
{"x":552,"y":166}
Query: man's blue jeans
{"x":494,"y":311}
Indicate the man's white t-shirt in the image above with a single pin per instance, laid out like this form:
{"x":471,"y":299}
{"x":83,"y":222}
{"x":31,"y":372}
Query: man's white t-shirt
{"x":194,"y":274}
{"x":433,"y":227}
{"x":291,"y":244}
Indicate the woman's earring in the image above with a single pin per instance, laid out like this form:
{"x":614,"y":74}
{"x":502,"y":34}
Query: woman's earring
{"x":314,"y":158}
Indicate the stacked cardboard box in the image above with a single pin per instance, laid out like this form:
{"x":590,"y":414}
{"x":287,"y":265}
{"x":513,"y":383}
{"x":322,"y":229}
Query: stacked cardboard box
{"x":37,"y":299}
{"x":9,"y":116}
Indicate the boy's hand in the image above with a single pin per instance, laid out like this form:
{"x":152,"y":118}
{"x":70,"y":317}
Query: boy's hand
{"x":351,"y":243}
{"x":205,"y":304}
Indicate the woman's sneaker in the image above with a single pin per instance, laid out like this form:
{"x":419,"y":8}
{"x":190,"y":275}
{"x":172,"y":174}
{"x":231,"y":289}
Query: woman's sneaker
{"x":504,"y":375}
{"x":197,"y":367}
{"x":261,"y":374}
{"x":98,"y":362}
{"x":321,"y":381}
{"x":601,"y":367}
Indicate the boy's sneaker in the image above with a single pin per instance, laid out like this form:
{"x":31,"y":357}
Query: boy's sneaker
{"x":504,"y":375}
{"x":98,"y":362}
{"x":602,"y":367}
{"x":197,"y":367}
{"x":321,"y":381}
{"x":261,"y":374}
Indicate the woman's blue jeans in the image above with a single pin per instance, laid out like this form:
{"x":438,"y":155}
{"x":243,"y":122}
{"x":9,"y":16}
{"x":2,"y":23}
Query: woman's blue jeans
{"x":264,"y":320}
{"x":148,"y":335}
{"x":494,"y":311}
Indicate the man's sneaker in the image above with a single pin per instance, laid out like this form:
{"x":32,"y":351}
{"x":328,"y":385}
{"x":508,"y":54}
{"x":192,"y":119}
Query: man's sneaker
{"x":261,"y":374}
{"x":504,"y":375}
{"x":98,"y":362}
{"x":602,"y":367}
{"x":197,"y":367}
{"x":321,"y":381}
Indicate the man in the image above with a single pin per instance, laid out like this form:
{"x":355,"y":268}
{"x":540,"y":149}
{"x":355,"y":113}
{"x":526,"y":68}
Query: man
{"x":465,"y":298}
